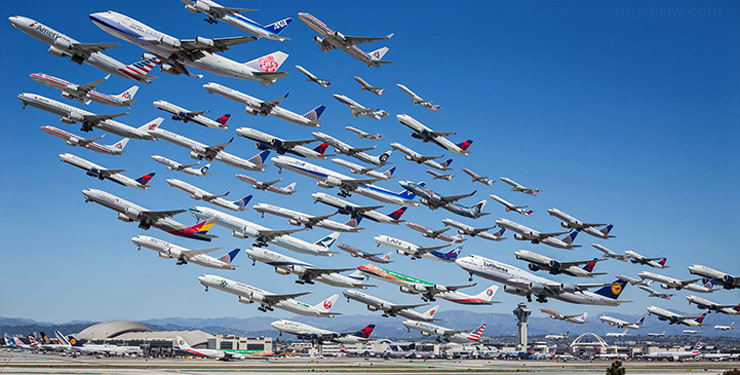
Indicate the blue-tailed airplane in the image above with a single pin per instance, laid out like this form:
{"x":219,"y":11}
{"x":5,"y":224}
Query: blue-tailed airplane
{"x":433,"y":200}
{"x":216,"y":12}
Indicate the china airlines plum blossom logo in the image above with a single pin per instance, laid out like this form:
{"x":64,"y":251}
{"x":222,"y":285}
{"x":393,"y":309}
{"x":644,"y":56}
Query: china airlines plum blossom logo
{"x":268,"y":64}
{"x":327,"y":304}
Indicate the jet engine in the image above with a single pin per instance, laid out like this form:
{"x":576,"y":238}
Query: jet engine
{"x":385,"y":306}
{"x":534,"y":267}
{"x":407,"y":290}
{"x":124,"y":218}
{"x":56,"y":51}
{"x":170,"y":42}
{"x":298,"y":269}
{"x":196,"y":155}
{"x":278,"y":144}
{"x":239,"y":234}
{"x":425,"y":333}
{"x":518,"y":237}
{"x":555,"y":265}
{"x":513,"y":290}
{"x":72,"y":118}
{"x":255,"y":296}
{"x":73,"y":141}
{"x":71,"y":87}
{"x":204,"y":42}
{"x":245,"y":300}
{"x":318,"y":40}
{"x":250,"y":111}
{"x":262,"y":146}
{"x":168,"y":69}
{"x":664,"y":286}
{"x":567,"y":288}
{"x":729,"y":280}
{"x":340,"y":36}
{"x":62,"y":44}
{"x":330,"y":182}
{"x":536,"y":288}
{"x":281,"y":271}
{"x":372,"y":308}
{"x":132,"y":212}
{"x":198,"y":7}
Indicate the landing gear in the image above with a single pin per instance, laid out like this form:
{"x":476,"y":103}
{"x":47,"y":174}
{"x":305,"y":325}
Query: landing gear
{"x":529,"y":298}
{"x":541,"y":299}
{"x":145,"y":224}
{"x":206,"y":288}
{"x":471,"y":279}
{"x":210,"y":20}
{"x":86,"y":126}
{"x":344,"y":194}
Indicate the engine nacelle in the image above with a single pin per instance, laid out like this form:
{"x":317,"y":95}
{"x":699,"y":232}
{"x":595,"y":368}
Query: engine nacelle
{"x":124,"y":218}
{"x":196,"y":155}
{"x":277,"y":143}
{"x":329,"y":182}
{"x":425,"y":333}
{"x":340,"y":36}
{"x":56,"y":52}
{"x":132,"y":212}
{"x":170,"y":42}
{"x":204,"y":42}
{"x":664,"y":286}
{"x":164,"y":255}
{"x":281,"y":271}
{"x":534,"y":267}
{"x":245,"y":300}
{"x":555,"y":265}
{"x":298,"y":269}
{"x":728,"y":280}
{"x":73,"y":141}
{"x":262,"y":146}
{"x":407,"y":290}
{"x":567,"y":288}
{"x":318,"y":40}
{"x":513,"y":290}
{"x":518,"y":237}
{"x":71,"y":87}
{"x":254,"y":296}
{"x":536,"y":288}
{"x":251,"y":111}
{"x":294,"y":222}
{"x":372,"y":308}
{"x":73,"y":117}
{"x":564,"y":225}
{"x":62,"y":44}
{"x":385,"y":306}
{"x":196,"y":196}
{"x":239,"y":234}
{"x":168,"y":69}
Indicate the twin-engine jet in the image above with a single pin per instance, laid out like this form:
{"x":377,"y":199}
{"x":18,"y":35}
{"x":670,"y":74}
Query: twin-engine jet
{"x":312,"y":78}
{"x":391,"y":309}
{"x":418,"y":158}
{"x":515,"y":186}
{"x":436,"y":234}
{"x":654,"y":293}
{"x":320,"y":336}
{"x":425,"y":134}
{"x":465,"y":336}
{"x":610,"y":254}
{"x":373,"y":257}
{"x":185,"y":168}
{"x":434,"y":200}
{"x":554,"y":267}
{"x":184,"y":115}
{"x":673,"y":318}
{"x":102,"y":173}
{"x":216,"y":12}
{"x":362,"y":134}
{"x":477,"y":178}
{"x":221,"y":355}
{"x":88,"y":143}
{"x":415,"y":251}
{"x":575,"y":319}
{"x":572,"y":223}
{"x":416,"y":99}
{"x":440,"y":176}
{"x":367,"y":171}
{"x":667,"y":282}
{"x":184,"y":255}
{"x":636,"y":258}
{"x":465,"y":229}
{"x":268,"y":185}
{"x":269,"y":142}
{"x":726,"y":280}
{"x":614,"y":322}
{"x":357,"y":211}
{"x":523,"y":233}
{"x":511,"y":207}
{"x":368,"y":87}
{"x":703,"y":303}
{"x":355,"y":152}
{"x":87,"y":93}
{"x":307,"y":221}
{"x":214,"y":199}
{"x":358,"y":109}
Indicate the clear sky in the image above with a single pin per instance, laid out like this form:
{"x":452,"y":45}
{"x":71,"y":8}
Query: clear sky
{"x":622,"y":112}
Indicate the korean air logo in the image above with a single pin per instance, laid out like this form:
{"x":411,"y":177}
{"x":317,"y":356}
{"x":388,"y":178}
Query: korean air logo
{"x":182,"y":342}
{"x":328,"y":304}
{"x":268,"y":64}
{"x":489,"y":292}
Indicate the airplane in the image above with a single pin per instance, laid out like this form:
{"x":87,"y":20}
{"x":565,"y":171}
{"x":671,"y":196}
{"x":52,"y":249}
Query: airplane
{"x":185,"y":168}
{"x":358,"y":109}
{"x":464,"y":229}
{"x":576,"y":319}
{"x":198,"y":53}
{"x":320,"y":336}
{"x":102,"y":173}
{"x":308,"y":221}
{"x":637,"y":258}
{"x":572,"y":223}
{"x":555,"y":267}
{"x":610,"y":254}
{"x":726,"y":280}
{"x":86,"y":93}
{"x":262,"y":235}
{"x":268,"y":142}
{"x":362,"y":134}
{"x":725,"y":328}
{"x":558,"y":337}
{"x":433,"y":200}
{"x":89,"y":120}
{"x":48,"y":344}
{"x":269,"y":185}
{"x":312,"y":78}
{"x":129,"y":212}
{"x":519,"y":187}
{"x":182,"y":114}
{"x":617,"y":334}
{"x":367,"y":171}
{"x":524,"y":233}
{"x":368,"y":87}
{"x":215,"y":199}
{"x":425,"y":134}
{"x":713,"y":306}
{"x":200,"y":151}
{"x":667,"y":282}
{"x":88,"y":143}
{"x":255,"y":106}
{"x":90,"y":53}
{"x":391,"y":309}
{"x":673,"y":318}
{"x":510,"y":207}
{"x":476,"y":178}
{"x":357,"y":211}
{"x":445,"y":334}
{"x":520,"y":282}
{"x":184,"y":256}
{"x":693,"y":331}
{"x":216,"y":12}
{"x":267,"y":300}
{"x":355,"y":152}
{"x":674,"y":355}
{"x":634,"y":281}
{"x":416,"y":99}
{"x":221,"y":355}
{"x":614,"y":322}
{"x":435,"y":234}
{"x":307,"y":273}
{"x":357,"y":253}
{"x":418,"y":158}
{"x":415,"y":251}
{"x":108,"y":349}
{"x":654,"y":334}
{"x":330,"y":39}
{"x":440,"y":176}
{"x":653,"y":293}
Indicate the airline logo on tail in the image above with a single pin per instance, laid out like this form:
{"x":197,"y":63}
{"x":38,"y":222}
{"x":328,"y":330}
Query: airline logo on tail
{"x":329,"y":240}
{"x":314,"y":114}
{"x":366,"y":332}
{"x":268,"y":64}
{"x":701,"y":317}
{"x":145,"y":178}
{"x":475,"y":335}
{"x":197,"y":231}
{"x":570,"y":237}
{"x":589,"y":267}
{"x":396,"y":215}
{"x":612,"y":291}
{"x":321,"y":148}
{"x":229,"y":257}
{"x":662,"y":261}
{"x":464,"y":145}
{"x":222,"y":120}
{"x":698,"y":347}
{"x":140,"y":68}
{"x":243,"y":202}
{"x":259,"y":158}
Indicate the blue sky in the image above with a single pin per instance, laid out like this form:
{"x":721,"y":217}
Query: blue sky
{"x":618,"y":111}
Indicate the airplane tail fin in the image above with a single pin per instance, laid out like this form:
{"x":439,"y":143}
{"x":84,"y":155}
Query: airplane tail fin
{"x":204,"y":169}
{"x":365,"y":332}
{"x":119,"y":146}
{"x":327,"y":304}
{"x":384,"y":156}
{"x":710,"y":283}
{"x":327,"y":241}
{"x":60,"y":337}
{"x":314,"y":114}
{"x":321,"y":148}
{"x":268,"y":63}
{"x":378,"y":54}
{"x":229,"y":257}
{"x":612,"y":291}
{"x":198,"y":231}
{"x":478,"y":207}
{"x":139,"y":70}
{"x":151,"y":125}
{"x":223,"y":119}
{"x":182,"y":344}
{"x":290,"y":187}
{"x":429,"y":314}
{"x":396,"y":215}
{"x":583,"y":317}
{"x":589,"y":267}
{"x":278,"y":26}
{"x":357,"y":275}
{"x":128,"y":95}
{"x":387,"y":256}
{"x":354,"y":222}
{"x":475,"y":334}
{"x":570,"y":237}
{"x":488,"y":293}
{"x":73,"y":341}
{"x":446,"y":163}
{"x":639,"y":322}
{"x":33,"y":342}
{"x":44,"y":338}
{"x":605,"y":230}
{"x":662,"y":261}
{"x":500,"y":233}
{"x":465,"y":144}
{"x":701,"y":317}
{"x":242,"y":203}
{"x":453,"y":253}
{"x":260,"y":158}
{"x":389,"y":172}
{"x":145,"y":178}
{"x":697,"y":347}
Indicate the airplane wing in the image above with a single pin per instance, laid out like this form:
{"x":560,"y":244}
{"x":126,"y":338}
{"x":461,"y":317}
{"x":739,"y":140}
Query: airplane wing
{"x":270,"y":104}
{"x":424,"y":250}
{"x":156,"y":215}
{"x":87,"y":141}
{"x":275,"y":298}
{"x":592,"y":225}
{"x":426,"y":158}
{"x":456,"y":287}
{"x":658,"y":258}
{"x":686,"y":282}
{"x":571,"y":316}
{"x":453,"y":198}
{"x":361,"y":209}
{"x":354,"y":183}
{"x":213,"y":45}
{"x":552,"y":234}
{"x":440,"y":231}
{"x":99,"y":118}
{"x":193,"y":114}
{"x":478,"y":230}
{"x":313,"y":272}
{"x":365,"y":39}
{"x":89,"y":86}
{"x":396,"y":308}
{"x":211,"y":197}
{"x":277,"y":233}
{"x":214,"y":150}
{"x":183,"y":166}
{"x":441,"y":134}
{"x":317,"y":219}
{"x":192,"y":253}
{"x":451,"y":332}
{"x":360,"y":149}
{"x":580,"y":286}
{"x":110,"y":172}
{"x":270,"y":183}
{"x":291,"y":144}
{"x":368,"y":169}
{"x":88,"y":49}
{"x":579,"y":262}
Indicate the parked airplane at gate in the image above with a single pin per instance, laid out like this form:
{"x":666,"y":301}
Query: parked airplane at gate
{"x":102,"y":173}
{"x":88,"y":143}
{"x":362,"y":134}
{"x":184,"y":256}
{"x":355,"y":152}
{"x":268,"y":142}
{"x":436,"y":234}
{"x":673,"y":318}
{"x":703,"y":303}
{"x":515,"y":186}
{"x":425,"y":134}
{"x":433,"y":200}
{"x":357,"y":253}
{"x":185,"y":168}
{"x":614,"y":322}
{"x":215,"y":199}
{"x":667,"y":282}
{"x":349,"y":208}
{"x":440,"y":176}
{"x":367,"y":171}
{"x":524,"y":233}
{"x":320,"y":336}
{"x":653,"y":293}
{"x":724,"y":279}
{"x":415,"y":251}
{"x":312,"y":78}
{"x":674,"y":355}
{"x":269,"y":185}
{"x":510,"y":207}
{"x":90,"y":53}
{"x":391,"y":309}
{"x":221,"y":355}
{"x":184,"y":115}
{"x":358,"y":109}
{"x":418,"y":158}
{"x":86,"y":93}
{"x":610,"y":254}
{"x":576,"y":319}
{"x":554,"y":267}
{"x":216,"y":12}
{"x":445,"y":334}
{"x":572,"y":223}
{"x":308,"y":221}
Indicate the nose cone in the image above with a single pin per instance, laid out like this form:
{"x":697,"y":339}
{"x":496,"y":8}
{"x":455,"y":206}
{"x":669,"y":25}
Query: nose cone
{"x":138,"y":240}
{"x":87,"y":193}
{"x":203,"y":279}
{"x":276,"y":324}
{"x":19,"y":22}
{"x":23,"y":97}
{"x":99,"y":17}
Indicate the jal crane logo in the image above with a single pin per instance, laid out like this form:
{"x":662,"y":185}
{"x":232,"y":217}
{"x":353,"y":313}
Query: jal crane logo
{"x":328,"y":304}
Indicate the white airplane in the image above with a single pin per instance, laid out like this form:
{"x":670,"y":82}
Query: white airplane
{"x":477,"y":178}
{"x":373,"y":257}
{"x":572,"y":223}
{"x":267,"y":300}
{"x":185,"y":168}
{"x":634,"y":281}
{"x":307,"y":273}
{"x":674,"y":355}
{"x":407,"y":248}
{"x":610,"y":254}
{"x":312,"y":78}
{"x":425,"y":134}
{"x":465,"y":229}
{"x":576,"y":319}
{"x":357,"y":211}
{"x":355,"y":152}
{"x":556,"y":337}
{"x":656,"y":334}
{"x":619,"y":323}
{"x":130,"y":212}
{"x":358,"y":109}
{"x":88,"y":143}
{"x":262,"y":235}
{"x":434,"y":200}
{"x":440,"y":176}
{"x":391,"y":309}
{"x":693,"y":331}
{"x":445,"y":334}
{"x":89,"y":120}
{"x":362,"y":134}
{"x":524,"y":233}
{"x":269,"y":142}
{"x":416,"y":99}
{"x":269,"y":185}
{"x":703,"y":303}
{"x":436,"y":234}
{"x":637,"y":258}
{"x":184,"y":256}
{"x":367,"y":171}
{"x":653,"y":293}
{"x":673,"y":318}
{"x":108,"y":349}
{"x":322,"y":336}
{"x":199,"y":52}
{"x":308,"y":221}
{"x":214,"y":199}
{"x":102,"y":173}
{"x":554,"y":267}
{"x":86,"y":93}
{"x":200,"y":151}
{"x":515,"y":186}
{"x":725,"y":328}
{"x":90,"y":53}
{"x":418,"y":158}
{"x":667,"y":282}
{"x":617,"y":334}
{"x":727,"y":280}
{"x":216,"y":12}
{"x":510,"y":207}
{"x":520,"y":282}
{"x":366,"y":86}
{"x":221,"y":355}
{"x":184,"y":115}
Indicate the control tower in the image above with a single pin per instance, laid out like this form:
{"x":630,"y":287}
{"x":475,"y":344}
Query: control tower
{"x":522,"y":319}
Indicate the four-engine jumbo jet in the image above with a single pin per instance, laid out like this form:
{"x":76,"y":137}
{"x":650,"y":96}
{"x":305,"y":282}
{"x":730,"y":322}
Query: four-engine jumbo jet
{"x":445,"y":334}
{"x":475,"y":232}
{"x":184,"y":256}
{"x":415,"y":251}
{"x":436,"y":234}
{"x":269,"y":185}
{"x":524,"y":233}
{"x":477,"y":178}
{"x":418,"y":158}
{"x":515,"y":186}
{"x":88,"y":143}
{"x":433,"y":200}
{"x":725,"y":328}
{"x":308,"y":221}
{"x":511,"y":207}
{"x":312,"y":78}
{"x":653,"y":293}
{"x":185,"y":168}
{"x":307,"y":273}
{"x":216,"y":12}
{"x":182,"y":114}
{"x":572,"y":223}
{"x":673,"y":318}
{"x":331,"y":39}
{"x":356,"y":211}
{"x":416,"y":99}
{"x":358,"y":109}
{"x":199,"y":52}
{"x":214,"y":199}
{"x":86,"y":93}
{"x":269,"y":142}
{"x":357,"y":253}
{"x":636,"y":258}
{"x":520,"y":282}
{"x":727,"y":280}
{"x":102,"y":173}
{"x":321,"y":336}
{"x":129,"y":212}
{"x":610,"y":254}
{"x":667,"y":282}
{"x":90,"y":53}
{"x":614,"y":322}
{"x":391,"y":309}
{"x":367,"y":171}
{"x":362,"y":134}
{"x":89,"y":120}
{"x":713,"y":306}
{"x":221,"y":355}
{"x":355,"y":152}
{"x":425,"y":134}
{"x":540,"y":262}
{"x":576,"y":319}
{"x":267,"y":300}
